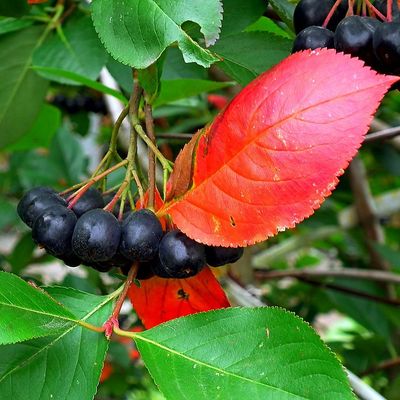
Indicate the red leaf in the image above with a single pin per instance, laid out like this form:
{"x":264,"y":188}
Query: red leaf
{"x":181,"y":177}
{"x":159,"y":300}
{"x":269,"y":160}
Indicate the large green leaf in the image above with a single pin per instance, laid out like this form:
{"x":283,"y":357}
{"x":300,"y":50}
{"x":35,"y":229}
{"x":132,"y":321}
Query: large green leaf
{"x":60,"y":367}
{"x":67,"y":155}
{"x":13,"y":24}
{"x":285,"y":10}
{"x":183,"y":88}
{"x":246,"y":55}
{"x":78,"y":51}
{"x":239,"y":353}
{"x":136,"y":32}
{"x":21,"y":89}
{"x":60,"y":74}
{"x":239,"y":14}
{"x":27,"y":312}
{"x":14,"y":8}
{"x":42,"y":131}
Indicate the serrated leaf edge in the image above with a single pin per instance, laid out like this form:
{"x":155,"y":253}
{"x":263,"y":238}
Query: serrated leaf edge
{"x":143,"y":66}
{"x":311,"y":329}
{"x":88,"y":315}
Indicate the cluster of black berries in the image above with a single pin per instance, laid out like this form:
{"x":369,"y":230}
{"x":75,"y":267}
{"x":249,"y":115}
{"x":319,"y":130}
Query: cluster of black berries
{"x":376,"y":43}
{"x":80,"y":103}
{"x":88,"y":234}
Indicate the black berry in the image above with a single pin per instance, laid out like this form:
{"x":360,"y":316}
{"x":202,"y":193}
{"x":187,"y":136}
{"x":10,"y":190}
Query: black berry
{"x":141,"y":233}
{"x":314,"y":12}
{"x":354,"y":36}
{"x":386,"y":44}
{"x":180,"y":256}
{"x":96,"y":236}
{"x":91,"y":199}
{"x":217,"y":256}
{"x":70,"y":259}
{"x":35,"y":202}
{"x":53,"y":230}
{"x":313,"y":37}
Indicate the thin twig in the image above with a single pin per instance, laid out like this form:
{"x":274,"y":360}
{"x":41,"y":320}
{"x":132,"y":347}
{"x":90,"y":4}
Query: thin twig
{"x":382,"y":135}
{"x":366,"y":210}
{"x":177,"y":136}
{"x":113,"y":320}
{"x":351,"y":273}
{"x":353,"y":292}
{"x":152,"y":157}
{"x":395,"y":362}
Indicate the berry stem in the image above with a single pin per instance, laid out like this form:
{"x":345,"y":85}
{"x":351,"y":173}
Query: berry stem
{"x":374,"y":11}
{"x":152,"y":159}
{"x":166,"y":164}
{"x":389,"y":10}
{"x":73,"y":199}
{"x":139,"y":186}
{"x":112,"y":322}
{"x":331,"y":12}
{"x":110,"y":206}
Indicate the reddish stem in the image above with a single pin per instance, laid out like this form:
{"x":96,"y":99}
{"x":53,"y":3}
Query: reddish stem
{"x":350,"y":10}
{"x":389,"y":7}
{"x":329,"y":16}
{"x":113,"y":320}
{"x":374,"y":11}
{"x":73,"y":199}
{"x":110,"y":206}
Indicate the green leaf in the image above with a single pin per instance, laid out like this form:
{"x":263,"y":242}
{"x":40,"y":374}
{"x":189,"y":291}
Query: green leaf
{"x":8,"y":215}
{"x":66,"y":153}
{"x":248,"y":54}
{"x":285,"y":10}
{"x":12,"y":24}
{"x":78,"y":50}
{"x":28,"y":312}
{"x":183,"y":88}
{"x":149,"y":79}
{"x":14,"y":8}
{"x":253,"y":353}
{"x":239,"y":14}
{"x":71,"y":76}
{"x":42,"y":131}
{"x":21,"y":89}
{"x":22,"y":253}
{"x":176,"y":68}
{"x":60,"y":367}
{"x":137,"y":32}
{"x":268,"y":25}
{"x":367,"y":312}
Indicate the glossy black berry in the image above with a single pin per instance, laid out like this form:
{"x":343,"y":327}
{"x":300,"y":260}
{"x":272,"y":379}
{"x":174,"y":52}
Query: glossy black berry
{"x":89,"y":201}
{"x":386,"y":44}
{"x":96,"y":236}
{"x":180,"y":256}
{"x":354,"y":36}
{"x":217,"y":256}
{"x":314,"y":12}
{"x":313,"y":37}
{"x":70,"y":259}
{"x":35,"y":202}
{"x":53,"y":230}
{"x":141,"y":233}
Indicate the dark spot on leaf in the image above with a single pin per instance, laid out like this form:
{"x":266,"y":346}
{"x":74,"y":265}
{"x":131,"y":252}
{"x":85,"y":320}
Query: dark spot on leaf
{"x":182,"y":294}
{"x":232,"y":221}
